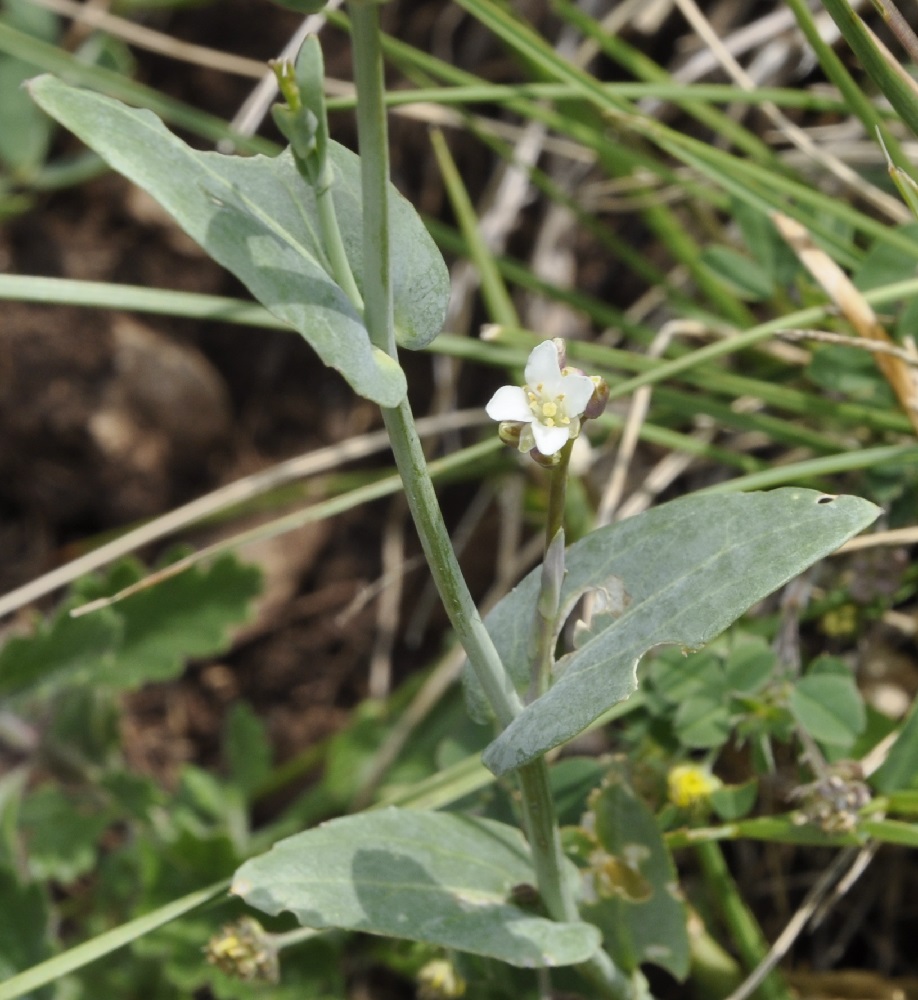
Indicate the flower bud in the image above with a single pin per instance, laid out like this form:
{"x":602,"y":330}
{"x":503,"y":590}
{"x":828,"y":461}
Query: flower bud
{"x":245,"y":950}
{"x":546,"y":461}
{"x":439,"y":980}
{"x":598,"y":400}
{"x":509,"y":432}
{"x":561,"y":348}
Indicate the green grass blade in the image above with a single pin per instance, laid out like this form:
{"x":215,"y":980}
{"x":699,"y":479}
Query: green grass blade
{"x":493,"y":289}
{"x":887,"y":75}
{"x":61,"y":965}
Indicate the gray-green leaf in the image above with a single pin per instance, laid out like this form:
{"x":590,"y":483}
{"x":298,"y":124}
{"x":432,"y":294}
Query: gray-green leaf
{"x":258,"y":218}
{"x":425,"y":876}
{"x":690,"y":567}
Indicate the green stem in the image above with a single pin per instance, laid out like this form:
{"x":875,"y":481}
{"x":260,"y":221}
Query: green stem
{"x":373,"y":134}
{"x":444,"y":567}
{"x":538,"y":808}
{"x":547,"y":609}
{"x":557,"y":494}
{"x":331,"y":237}
{"x":746,"y":933}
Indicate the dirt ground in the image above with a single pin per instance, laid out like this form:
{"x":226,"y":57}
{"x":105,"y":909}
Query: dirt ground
{"x":110,"y":418}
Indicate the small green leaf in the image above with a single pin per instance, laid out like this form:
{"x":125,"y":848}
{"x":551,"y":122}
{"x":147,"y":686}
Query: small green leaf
{"x":690,"y":567}
{"x":425,"y":876}
{"x":702,"y":722}
{"x":63,"y":651}
{"x":247,"y":748}
{"x":829,"y":707}
{"x":851,"y":372}
{"x":676,"y":677}
{"x":733,"y":802}
{"x":61,"y":833}
{"x":765,"y":243}
{"x":148,"y":636}
{"x":749,"y":667}
{"x":884,"y":264}
{"x":745,"y":276}
{"x":25,"y":133}
{"x":639,"y":926}
{"x":24,"y":927}
{"x":183,"y":616}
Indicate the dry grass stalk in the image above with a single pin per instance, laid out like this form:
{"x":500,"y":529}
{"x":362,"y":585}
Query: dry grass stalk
{"x":855,"y":308}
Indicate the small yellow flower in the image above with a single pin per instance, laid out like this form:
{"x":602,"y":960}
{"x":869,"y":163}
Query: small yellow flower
{"x":439,"y":980}
{"x":690,"y":785}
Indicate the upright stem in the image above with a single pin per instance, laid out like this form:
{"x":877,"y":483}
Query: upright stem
{"x":538,"y":808}
{"x":373,"y":134}
{"x":746,"y":933}
{"x":557,"y":494}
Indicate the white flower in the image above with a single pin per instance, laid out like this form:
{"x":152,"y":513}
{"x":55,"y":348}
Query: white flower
{"x":550,"y":404}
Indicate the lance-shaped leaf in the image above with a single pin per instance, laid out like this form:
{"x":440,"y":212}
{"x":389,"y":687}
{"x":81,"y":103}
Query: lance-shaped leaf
{"x":257,"y":217}
{"x":689,"y":568}
{"x":425,"y":876}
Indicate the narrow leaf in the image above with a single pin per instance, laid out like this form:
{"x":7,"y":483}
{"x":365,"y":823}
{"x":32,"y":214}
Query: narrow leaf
{"x":69,"y":961}
{"x":888,"y":75}
{"x":690,"y":567}
{"x":900,"y":769}
{"x":425,"y":876}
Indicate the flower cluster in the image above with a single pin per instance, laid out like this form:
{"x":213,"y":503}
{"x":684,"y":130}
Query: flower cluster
{"x":246,"y":951}
{"x":835,"y":800}
{"x":544,"y":414}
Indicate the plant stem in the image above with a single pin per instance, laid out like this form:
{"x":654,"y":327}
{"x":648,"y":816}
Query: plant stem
{"x":373,"y":136}
{"x":746,"y":933}
{"x":538,"y":808}
{"x":331,"y":237}
{"x":557,"y":494}
{"x":547,"y":608}
{"x":444,"y":567}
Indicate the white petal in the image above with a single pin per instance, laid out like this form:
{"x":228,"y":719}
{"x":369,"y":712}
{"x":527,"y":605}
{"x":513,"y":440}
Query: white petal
{"x":577,"y":392}
{"x":543,"y":368}
{"x":509,"y":403}
{"x":549,"y":439}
